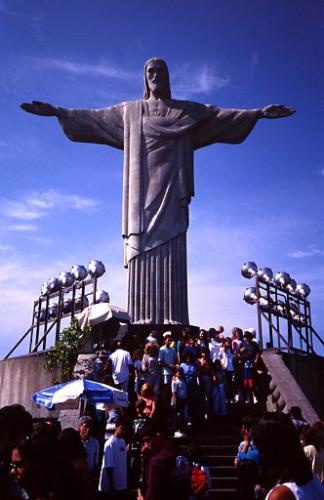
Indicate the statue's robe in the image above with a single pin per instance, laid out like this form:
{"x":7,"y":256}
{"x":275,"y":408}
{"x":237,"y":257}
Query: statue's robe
{"x":157,"y":188}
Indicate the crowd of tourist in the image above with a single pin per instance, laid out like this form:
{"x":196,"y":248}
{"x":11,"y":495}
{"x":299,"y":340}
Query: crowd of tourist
{"x":175,"y":387}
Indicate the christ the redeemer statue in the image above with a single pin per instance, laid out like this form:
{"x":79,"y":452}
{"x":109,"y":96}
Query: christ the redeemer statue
{"x":158,"y":136}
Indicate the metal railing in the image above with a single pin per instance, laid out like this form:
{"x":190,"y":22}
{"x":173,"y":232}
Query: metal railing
{"x":46,"y":322}
{"x":287,"y":325}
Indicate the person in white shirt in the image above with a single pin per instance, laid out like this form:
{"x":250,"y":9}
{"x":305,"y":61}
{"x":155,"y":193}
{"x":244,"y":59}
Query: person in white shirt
{"x":113,"y":475}
{"x":121,"y":363}
{"x":215,"y":343}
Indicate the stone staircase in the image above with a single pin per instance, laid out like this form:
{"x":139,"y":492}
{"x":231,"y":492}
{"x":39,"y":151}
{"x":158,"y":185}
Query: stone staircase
{"x":218,"y":452}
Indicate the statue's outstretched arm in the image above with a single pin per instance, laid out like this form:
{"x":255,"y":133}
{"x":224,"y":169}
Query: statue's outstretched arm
{"x":100,"y":126}
{"x":39,"y":108}
{"x":276,"y":111}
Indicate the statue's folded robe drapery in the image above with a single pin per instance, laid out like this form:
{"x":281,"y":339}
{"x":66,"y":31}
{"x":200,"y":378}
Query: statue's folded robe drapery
{"x":158,"y":174}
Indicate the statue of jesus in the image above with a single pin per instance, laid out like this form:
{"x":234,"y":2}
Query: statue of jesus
{"x":158,"y":136}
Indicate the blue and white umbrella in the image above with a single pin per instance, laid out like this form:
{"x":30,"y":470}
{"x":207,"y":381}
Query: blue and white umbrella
{"x":93,"y":392}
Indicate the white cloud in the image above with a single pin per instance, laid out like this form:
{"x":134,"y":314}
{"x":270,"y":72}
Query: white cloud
{"x":53,"y":199}
{"x":22,"y":227}
{"x":5,"y":10}
{"x":102,"y":69}
{"x":39,"y":204}
{"x":19,"y":210}
{"x":254,"y":61}
{"x":6,"y":248}
{"x":189,"y":80}
{"x":300,"y":254}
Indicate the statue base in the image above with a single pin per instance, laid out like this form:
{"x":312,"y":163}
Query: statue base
{"x":139,"y":332}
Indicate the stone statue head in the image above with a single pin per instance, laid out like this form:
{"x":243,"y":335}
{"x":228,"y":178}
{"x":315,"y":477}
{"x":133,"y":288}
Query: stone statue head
{"x":164,"y":76}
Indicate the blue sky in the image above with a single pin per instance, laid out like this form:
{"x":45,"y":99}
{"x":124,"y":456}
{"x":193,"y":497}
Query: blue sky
{"x":60,"y":202}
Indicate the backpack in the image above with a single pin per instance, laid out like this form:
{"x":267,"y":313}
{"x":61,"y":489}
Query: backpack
{"x":199,"y":481}
{"x":181,"y":478}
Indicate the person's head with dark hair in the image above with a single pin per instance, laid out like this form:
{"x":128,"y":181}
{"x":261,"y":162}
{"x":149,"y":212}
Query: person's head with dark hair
{"x":185,"y":332}
{"x":28,"y":459}
{"x":151,"y":349}
{"x":295,"y":413}
{"x":71,"y":444}
{"x":237,"y":333}
{"x":194,"y":453}
{"x":247,"y":423}
{"x":42,"y":472}
{"x":15,"y":424}
{"x":156,"y":79}
{"x":212,"y":332}
{"x":179,"y":372}
{"x":202,"y":334}
{"x":147,"y":391}
{"x":204,"y":353}
{"x":281,"y":456}
{"x":53,"y":426}
{"x":189,"y":358}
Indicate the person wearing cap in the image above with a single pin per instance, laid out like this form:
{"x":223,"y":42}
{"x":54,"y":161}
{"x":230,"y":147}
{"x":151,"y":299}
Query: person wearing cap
{"x":167,"y":360}
{"x":90,"y":443}
{"x":254,"y":334}
{"x":152,"y":337}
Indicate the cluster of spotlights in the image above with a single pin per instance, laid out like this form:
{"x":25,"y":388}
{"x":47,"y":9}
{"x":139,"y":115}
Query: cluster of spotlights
{"x":287,"y":309}
{"x":281,"y":279}
{"x":77,"y":274}
{"x":64,"y":282}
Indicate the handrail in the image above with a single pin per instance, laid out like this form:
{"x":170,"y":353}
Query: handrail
{"x":18,"y":343}
{"x":44,"y":336}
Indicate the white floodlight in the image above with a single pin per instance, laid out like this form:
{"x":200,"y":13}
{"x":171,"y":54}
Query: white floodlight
{"x":265,"y":275}
{"x":250,"y":295}
{"x":249,"y":270}
{"x":282,"y":279}
{"x":279,"y":308}
{"x":66,"y":279}
{"x":291,"y":287}
{"x":53,"y":311}
{"x":79,"y":272}
{"x":265,"y":304}
{"x":302,"y":291}
{"x":96,"y":268}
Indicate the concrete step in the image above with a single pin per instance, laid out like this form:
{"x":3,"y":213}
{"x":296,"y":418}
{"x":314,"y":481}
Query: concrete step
{"x":222,"y":471}
{"x":224,"y":482}
{"x":223,"y":494}
{"x":218,"y":460}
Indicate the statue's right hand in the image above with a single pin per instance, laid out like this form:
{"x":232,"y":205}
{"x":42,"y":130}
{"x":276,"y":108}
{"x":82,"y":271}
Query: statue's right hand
{"x":39,"y":108}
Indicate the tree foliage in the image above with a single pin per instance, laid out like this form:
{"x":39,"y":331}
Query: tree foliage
{"x":67,"y":348}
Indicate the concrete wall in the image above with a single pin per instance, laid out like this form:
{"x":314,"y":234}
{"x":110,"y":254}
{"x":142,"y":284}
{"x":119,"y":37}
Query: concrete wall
{"x":308,"y":372}
{"x":20,"y":377}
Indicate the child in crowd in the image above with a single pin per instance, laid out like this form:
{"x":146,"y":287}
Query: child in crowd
{"x":139,"y":378}
{"x":179,"y":400}
{"x":148,"y":397}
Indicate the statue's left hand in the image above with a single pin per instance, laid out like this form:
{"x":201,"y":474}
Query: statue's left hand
{"x":276,"y":111}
